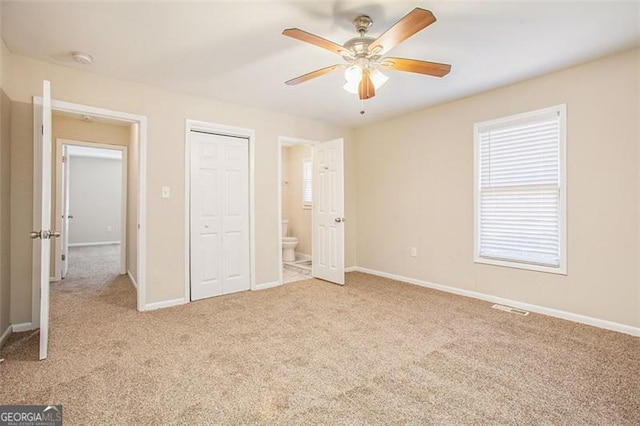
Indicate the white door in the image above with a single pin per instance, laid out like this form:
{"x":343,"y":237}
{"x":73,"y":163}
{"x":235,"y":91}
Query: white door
{"x":328,"y":212}
{"x":220,"y":254}
{"x":42,"y":214}
{"x":64,"y":243}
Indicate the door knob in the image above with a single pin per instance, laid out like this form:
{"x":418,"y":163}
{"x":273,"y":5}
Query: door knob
{"x":44,"y":235}
{"x":70,"y":216}
{"x":340,"y":219}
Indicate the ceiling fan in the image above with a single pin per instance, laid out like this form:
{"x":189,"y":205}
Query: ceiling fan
{"x":364,"y":55}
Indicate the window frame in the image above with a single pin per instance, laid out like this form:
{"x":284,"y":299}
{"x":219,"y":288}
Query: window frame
{"x":307,"y":204}
{"x":562,"y":269}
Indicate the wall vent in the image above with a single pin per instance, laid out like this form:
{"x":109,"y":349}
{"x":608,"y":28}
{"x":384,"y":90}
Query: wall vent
{"x":510,"y":309}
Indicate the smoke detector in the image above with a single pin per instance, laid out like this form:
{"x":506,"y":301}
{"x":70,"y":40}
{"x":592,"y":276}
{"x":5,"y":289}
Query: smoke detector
{"x":82,"y":58}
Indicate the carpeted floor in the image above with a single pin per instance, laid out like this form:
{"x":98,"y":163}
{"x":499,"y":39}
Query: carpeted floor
{"x":375,"y":351}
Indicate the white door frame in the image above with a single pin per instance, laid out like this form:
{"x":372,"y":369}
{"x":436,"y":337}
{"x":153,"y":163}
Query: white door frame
{"x":59,"y":201}
{"x":141,"y":120}
{"x":282,"y":140}
{"x":223,"y":130}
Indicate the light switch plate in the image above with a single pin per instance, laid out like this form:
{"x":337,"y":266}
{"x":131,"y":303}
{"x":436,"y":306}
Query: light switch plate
{"x":166,"y":192}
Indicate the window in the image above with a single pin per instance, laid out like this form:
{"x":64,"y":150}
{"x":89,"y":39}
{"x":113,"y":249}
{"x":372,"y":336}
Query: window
{"x":520,"y":191}
{"x":307,"y":173}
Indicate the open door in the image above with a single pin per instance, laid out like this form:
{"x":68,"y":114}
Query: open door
{"x":42,"y":213}
{"x":328,"y":212}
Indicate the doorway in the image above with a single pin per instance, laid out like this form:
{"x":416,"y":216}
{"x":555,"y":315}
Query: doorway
{"x":137,"y":237}
{"x":295,"y":207}
{"x":320,"y":167}
{"x":90,"y":201}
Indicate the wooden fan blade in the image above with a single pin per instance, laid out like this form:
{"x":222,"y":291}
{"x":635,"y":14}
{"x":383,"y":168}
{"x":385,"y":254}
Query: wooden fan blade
{"x":311,"y":75}
{"x":414,"y":21}
{"x":413,"y":65}
{"x":366,"y":89}
{"x":298,"y":34}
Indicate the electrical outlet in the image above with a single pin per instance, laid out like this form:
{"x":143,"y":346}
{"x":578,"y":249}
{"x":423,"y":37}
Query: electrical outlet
{"x":109,"y":228}
{"x":414,"y":252}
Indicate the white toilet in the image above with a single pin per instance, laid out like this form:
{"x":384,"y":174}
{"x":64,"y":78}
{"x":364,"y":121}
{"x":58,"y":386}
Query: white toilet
{"x":289,"y":244}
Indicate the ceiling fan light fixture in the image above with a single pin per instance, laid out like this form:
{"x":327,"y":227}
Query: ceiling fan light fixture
{"x":353,"y":75}
{"x":377,"y":78}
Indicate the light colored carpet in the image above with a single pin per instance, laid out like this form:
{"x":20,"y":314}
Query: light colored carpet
{"x":372,"y":352}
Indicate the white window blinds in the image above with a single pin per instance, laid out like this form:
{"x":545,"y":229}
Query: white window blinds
{"x":307,"y":171}
{"x":519,"y":193}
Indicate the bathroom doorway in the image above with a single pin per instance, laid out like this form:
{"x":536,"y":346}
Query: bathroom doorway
{"x":295,"y":207}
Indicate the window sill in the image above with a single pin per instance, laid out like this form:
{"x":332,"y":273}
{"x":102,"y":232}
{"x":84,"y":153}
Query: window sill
{"x":517,"y":265}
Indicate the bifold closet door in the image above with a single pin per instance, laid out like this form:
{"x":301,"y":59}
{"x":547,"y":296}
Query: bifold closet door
{"x":220,"y":253}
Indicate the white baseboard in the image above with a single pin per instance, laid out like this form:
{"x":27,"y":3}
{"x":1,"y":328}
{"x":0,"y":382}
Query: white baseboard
{"x":5,"y":335}
{"x":23,"y":326}
{"x":99,"y":243}
{"x":265,"y":286}
{"x":133,"y":281}
{"x":303,"y":256}
{"x":164,"y":304}
{"x":595,"y":322}
{"x":352,"y":269}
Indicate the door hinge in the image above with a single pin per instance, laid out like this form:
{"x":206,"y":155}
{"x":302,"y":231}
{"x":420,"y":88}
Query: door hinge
{"x":64,"y":257}
{"x":42,"y":130}
{"x":64,"y":158}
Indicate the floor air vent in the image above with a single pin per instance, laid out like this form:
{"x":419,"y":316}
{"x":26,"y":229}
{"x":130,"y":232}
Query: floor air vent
{"x":510,"y":309}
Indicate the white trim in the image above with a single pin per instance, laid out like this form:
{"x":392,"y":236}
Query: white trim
{"x":23,"y":326}
{"x":97,"y":243}
{"x":37,"y":172}
{"x":282,"y":142}
{"x":265,"y":286}
{"x":570,"y":316}
{"x":223,"y":130}
{"x":562,"y":269}
{"x":133,"y":281}
{"x":164,"y":304}
{"x":352,"y":269}
{"x":303,"y":256}
{"x":69,"y":107}
{"x":5,"y":335}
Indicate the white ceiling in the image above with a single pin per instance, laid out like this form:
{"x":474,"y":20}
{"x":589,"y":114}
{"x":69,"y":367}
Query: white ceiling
{"x":234,"y":51}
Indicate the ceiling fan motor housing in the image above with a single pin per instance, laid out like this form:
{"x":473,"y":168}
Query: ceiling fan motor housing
{"x":362,"y":24}
{"x":359,"y":46}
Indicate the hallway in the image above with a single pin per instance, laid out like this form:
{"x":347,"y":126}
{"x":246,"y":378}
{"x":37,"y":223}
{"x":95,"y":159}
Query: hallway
{"x":93,"y":273}
{"x":93,"y":284}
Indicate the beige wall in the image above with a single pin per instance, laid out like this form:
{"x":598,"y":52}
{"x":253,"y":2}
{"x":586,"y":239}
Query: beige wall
{"x":166,"y":112}
{"x":75,"y":129}
{"x":415,"y":188}
{"x":5,"y":210}
{"x":132,"y":202}
{"x":95,"y":200}
{"x":292,"y":209}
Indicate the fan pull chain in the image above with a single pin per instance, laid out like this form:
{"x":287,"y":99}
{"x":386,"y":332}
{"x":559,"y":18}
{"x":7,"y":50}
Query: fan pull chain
{"x":362,"y":106}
